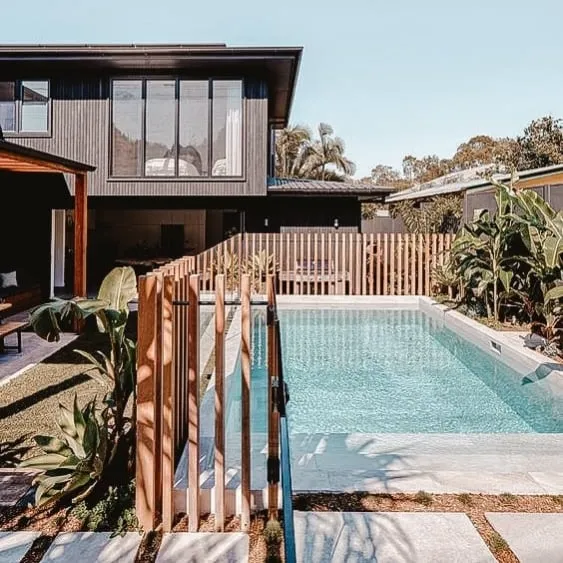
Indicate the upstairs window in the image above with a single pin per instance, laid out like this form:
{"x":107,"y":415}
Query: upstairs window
{"x":24,"y":106}
{"x":177,"y":128}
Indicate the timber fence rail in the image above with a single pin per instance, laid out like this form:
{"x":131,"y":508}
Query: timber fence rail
{"x":321,"y":263}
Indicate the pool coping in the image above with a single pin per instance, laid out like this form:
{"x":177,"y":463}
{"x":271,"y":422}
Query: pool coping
{"x":506,"y":347}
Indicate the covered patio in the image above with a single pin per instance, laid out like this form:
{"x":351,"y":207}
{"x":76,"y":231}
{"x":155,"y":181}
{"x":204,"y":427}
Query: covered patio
{"x":21,"y":167}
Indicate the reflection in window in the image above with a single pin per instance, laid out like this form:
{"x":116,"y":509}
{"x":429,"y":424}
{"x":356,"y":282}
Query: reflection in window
{"x":227,"y":128}
{"x":8,"y":106}
{"x":35,"y":106}
{"x":127,"y":128}
{"x":160,"y":133}
{"x":172,"y":128}
{"x":193,"y":155}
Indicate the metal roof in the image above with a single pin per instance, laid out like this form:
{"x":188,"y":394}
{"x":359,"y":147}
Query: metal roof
{"x":277,"y":66}
{"x":319,"y":187}
{"x":435,"y":188}
{"x":18,"y":158}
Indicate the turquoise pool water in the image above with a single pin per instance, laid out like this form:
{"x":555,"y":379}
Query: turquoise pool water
{"x":393,"y":371}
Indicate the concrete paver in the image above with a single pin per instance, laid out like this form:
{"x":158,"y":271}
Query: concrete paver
{"x":388,"y":537}
{"x":93,"y":547}
{"x":533,"y":537}
{"x":14,"y":545}
{"x":203,"y":547}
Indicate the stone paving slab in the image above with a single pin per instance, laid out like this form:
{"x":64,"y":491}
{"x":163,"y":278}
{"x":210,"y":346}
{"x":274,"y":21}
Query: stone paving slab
{"x":93,"y":547}
{"x":388,"y":537}
{"x":14,"y":545}
{"x":203,"y":547}
{"x":533,"y":537}
{"x":14,"y":483}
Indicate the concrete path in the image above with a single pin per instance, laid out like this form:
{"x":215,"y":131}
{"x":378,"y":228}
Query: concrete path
{"x":93,"y":547}
{"x":534,"y":538}
{"x":388,"y":537}
{"x":203,"y":547}
{"x":14,"y":545}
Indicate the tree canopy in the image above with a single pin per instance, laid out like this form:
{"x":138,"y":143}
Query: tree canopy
{"x":540,"y":144}
{"x":300,"y":155}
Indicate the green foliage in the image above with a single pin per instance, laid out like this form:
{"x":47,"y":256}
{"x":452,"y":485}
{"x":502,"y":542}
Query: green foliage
{"x":74,"y":463}
{"x":114,"y":511}
{"x":511,"y":260}
{"x":227,"y":264}
{"x":273,"y":536}
{"x":93,"y":437}
{"x":440,"y":215}
{"x":422,"y":497}
{"x":299,"y":155}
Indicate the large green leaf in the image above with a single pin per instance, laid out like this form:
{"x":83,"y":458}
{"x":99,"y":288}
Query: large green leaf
{"x":554,"y":294}
{"x":52,"y":445}
{"x":505,"y":277}
{"x":44,"y":461}
{"x":119,"y":288}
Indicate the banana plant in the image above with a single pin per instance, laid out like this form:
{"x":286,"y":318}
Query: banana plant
{"x":481,"y":253}
{"x":74,"y":463}
{"x":115,"y":370}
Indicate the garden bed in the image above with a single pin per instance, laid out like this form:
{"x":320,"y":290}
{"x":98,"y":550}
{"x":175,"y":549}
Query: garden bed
{"x":29,"y":403}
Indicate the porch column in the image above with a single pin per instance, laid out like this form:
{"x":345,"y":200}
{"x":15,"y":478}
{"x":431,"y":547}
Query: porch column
{"x":80,"y":234}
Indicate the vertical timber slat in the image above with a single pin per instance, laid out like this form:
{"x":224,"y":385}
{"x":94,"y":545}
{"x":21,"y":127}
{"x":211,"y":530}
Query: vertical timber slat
{"x":193,"y":404}
{"x":220,"y":404}
{"x":245,"y":403}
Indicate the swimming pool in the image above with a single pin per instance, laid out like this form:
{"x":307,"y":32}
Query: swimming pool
{"x":392,"y":371}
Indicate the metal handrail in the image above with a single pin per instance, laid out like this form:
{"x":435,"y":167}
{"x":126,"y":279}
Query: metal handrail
{"x":282,"y":397}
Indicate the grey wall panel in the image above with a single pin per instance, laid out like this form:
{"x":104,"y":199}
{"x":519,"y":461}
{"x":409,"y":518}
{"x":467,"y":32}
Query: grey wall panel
{"x":80,"y":116}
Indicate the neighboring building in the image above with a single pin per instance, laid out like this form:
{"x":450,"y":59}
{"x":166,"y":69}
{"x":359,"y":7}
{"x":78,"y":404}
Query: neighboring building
{"x":478,"y":193}
{"x":181,"y":137}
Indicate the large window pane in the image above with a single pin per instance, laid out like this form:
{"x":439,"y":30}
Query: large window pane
{"x":35,"y":106}
{"x":194,"y":128}
{"x":227,"y":128}
{"x":8,"y":106}
{"x":127,"y":127}
{"x":160,"y":146}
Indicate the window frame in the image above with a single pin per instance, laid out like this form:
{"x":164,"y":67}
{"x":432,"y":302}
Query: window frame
{"x":18,"y":102}
{"x":177,"y":178}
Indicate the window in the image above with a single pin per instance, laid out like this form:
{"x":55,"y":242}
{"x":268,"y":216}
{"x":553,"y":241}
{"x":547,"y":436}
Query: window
{"x":177,"y":128}
{"x":160,"y":134}
{"x":227,"y":128}
{"x":8,"y":106}
{"x":127,"y":148}
{"x":24,"y":106}
{"x":194,"y":128}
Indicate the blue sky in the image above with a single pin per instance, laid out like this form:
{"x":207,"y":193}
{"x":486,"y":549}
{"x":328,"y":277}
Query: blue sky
{"x":393,"y":77}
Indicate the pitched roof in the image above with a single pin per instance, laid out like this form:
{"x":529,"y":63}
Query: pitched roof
{"x":435,"y":187}
{"x":278,"y":66}
{"x":19,"y":158}
{"x":305,"y":186}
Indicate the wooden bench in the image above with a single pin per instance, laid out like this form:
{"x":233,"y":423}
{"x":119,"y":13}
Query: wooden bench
{"x":9,"y":327}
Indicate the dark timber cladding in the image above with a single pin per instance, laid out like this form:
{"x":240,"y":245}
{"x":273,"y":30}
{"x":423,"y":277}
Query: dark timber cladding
{"x":80,"y":85}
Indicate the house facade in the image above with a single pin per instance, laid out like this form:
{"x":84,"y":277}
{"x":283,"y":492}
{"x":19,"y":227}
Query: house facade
{"x":181,"y":137}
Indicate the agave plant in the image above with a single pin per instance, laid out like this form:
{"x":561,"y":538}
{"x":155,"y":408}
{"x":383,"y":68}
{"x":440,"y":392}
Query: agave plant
{"x":74,"y":463}
{"x":115,"y":370}
{"x":229,"y":265}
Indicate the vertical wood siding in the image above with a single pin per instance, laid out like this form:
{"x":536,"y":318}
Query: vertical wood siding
{"x":80,"y":130}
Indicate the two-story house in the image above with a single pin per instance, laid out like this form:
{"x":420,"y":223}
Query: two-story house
{"x":181,"y":137}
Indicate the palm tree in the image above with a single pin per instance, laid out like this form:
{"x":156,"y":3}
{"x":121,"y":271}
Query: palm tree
{"x":299,"y":156}
{"x":290,"y":143}
{"x":324,"y":158}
